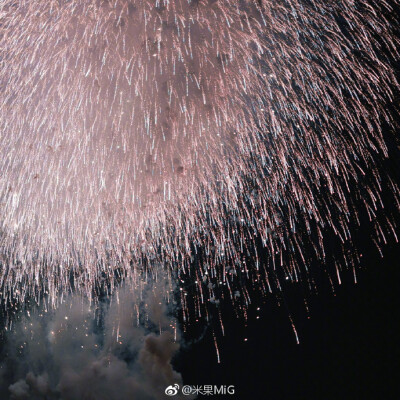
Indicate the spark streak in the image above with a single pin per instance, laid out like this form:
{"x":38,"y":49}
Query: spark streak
{"x":182,"y":133}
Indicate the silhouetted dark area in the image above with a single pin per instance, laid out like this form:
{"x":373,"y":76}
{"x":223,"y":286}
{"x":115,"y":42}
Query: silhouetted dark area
{"x":349,"y":342}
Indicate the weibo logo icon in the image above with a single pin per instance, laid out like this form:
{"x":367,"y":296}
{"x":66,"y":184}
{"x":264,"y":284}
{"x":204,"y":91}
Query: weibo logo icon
{"x":172,"y":390}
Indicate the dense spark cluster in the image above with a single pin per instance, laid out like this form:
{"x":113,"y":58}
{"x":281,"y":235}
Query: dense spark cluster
{"x":187,"y":133}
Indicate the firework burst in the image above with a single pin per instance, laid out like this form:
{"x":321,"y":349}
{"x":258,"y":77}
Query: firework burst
{"x":188,"y":134}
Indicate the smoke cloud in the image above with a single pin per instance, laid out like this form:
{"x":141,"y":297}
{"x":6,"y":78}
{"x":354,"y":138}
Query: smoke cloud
{"x":119,"y":349}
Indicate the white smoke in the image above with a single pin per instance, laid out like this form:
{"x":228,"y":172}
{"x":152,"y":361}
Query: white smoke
{"x":121,"y":350}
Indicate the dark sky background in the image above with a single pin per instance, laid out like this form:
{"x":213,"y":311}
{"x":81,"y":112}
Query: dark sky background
{"x":349,"y":347}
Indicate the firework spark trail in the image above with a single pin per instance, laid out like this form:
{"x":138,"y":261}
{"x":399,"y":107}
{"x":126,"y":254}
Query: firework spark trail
{"x":135,"y":132}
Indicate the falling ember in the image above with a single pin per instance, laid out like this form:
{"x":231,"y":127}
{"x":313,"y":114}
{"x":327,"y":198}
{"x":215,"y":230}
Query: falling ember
{"x":188,"y":134}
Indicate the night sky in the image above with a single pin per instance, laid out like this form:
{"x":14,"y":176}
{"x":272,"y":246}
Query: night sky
{"x":348,"y":347}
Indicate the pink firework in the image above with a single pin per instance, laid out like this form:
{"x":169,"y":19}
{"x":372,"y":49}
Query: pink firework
{"x":139,"y":134}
